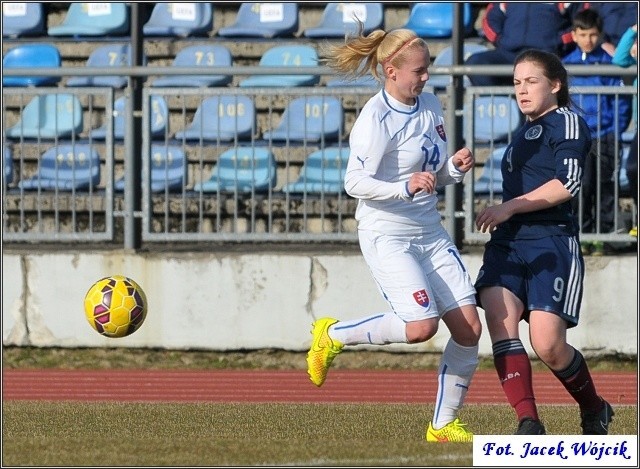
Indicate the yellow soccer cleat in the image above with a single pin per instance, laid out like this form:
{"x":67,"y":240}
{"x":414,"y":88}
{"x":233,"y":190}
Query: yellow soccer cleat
{"x":452,"y":432}
{"x":323,"y":350}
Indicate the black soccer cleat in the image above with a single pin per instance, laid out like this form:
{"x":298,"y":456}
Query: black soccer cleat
{"x":529,"y":426}
{"x":597,"y":423}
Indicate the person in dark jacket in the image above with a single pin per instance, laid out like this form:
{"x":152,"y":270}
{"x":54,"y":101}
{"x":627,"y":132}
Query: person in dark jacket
{"x":617,"y":17}
{"x":513,"y":27}
{"x":608,"y":116}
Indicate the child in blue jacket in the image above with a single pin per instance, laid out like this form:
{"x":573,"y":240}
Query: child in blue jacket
{"x":607,"y":115}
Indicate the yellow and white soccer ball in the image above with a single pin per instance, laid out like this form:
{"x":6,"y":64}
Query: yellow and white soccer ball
{"x":115,"y":306}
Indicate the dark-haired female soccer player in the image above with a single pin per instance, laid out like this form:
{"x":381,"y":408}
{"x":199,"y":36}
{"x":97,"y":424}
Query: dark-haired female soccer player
{"x":533,"y":267}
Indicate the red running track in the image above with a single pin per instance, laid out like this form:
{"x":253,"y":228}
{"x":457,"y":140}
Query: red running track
{"x":282,"y":386}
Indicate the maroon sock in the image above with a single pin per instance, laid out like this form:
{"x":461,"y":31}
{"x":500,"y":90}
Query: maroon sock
{"x":577,"y":380}
{"x":514,"y":371}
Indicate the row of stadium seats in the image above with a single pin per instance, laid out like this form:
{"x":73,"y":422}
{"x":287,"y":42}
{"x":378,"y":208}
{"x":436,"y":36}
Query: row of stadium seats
{"x":217,"y":118}
{"x":233,"y":117}
{"x":203,"y":55}
{"x":245,"y":169}
{"x":257,"y":20}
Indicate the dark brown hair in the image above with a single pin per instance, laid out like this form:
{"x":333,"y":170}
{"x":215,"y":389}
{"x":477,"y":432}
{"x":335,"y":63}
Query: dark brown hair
{"x":552,"y":68}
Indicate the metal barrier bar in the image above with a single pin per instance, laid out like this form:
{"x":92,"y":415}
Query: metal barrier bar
{"x":474,"y":203}
{"x":189,"y":215}
{"x":273,"y":215}
{"x":145,"y":71}
{"x":36,"y":214}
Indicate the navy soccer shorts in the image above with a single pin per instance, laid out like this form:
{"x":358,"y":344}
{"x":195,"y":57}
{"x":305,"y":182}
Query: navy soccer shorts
{"x":546,"y":274}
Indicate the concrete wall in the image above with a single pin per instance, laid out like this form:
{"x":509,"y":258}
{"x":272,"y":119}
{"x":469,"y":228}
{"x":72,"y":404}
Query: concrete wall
{"x":252,"y":300}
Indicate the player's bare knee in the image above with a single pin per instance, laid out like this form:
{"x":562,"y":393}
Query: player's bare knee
{"x":421,"y":331}
{"x":550,"y":354}
{"x":470,"y":336}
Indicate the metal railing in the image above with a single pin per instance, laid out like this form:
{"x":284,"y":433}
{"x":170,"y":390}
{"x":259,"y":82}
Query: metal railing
{"x":625,"y":214}
{"x":99,"y":213}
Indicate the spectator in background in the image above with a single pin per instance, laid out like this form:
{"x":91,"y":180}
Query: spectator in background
{"x":616,"y":18}
{"x":513,"y":27}
{"x":626,"y":55}
{"x":607,"y":116}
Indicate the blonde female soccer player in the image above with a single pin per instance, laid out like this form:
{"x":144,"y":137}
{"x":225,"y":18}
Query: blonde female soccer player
{"x":398,"y":156}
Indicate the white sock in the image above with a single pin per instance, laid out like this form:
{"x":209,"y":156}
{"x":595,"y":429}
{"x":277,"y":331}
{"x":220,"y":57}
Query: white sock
{"x":457,"y":366}
{"x":379,"y":329}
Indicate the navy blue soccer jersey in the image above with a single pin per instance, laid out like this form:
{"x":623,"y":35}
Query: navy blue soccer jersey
{"x":553,"y":146}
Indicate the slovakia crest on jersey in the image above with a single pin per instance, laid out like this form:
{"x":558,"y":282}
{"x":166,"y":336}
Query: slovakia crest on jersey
{"x":422,"y":298}
{"x":440,"y":130}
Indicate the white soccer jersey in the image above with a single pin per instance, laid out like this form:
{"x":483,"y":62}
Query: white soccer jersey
{"x":389,"y":142}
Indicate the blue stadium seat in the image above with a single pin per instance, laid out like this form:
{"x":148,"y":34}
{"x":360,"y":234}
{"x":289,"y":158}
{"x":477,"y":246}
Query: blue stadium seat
{"x":365,"y":81}
{"x":221,"y":118}
{"x":7,"y":165}
{"x":435,"y":19}
{"x":445,"y":59}
{"x":322,"y":172}
{"x":168,"y":169}
{"x":203,"y":55}
{"x":300,"y":55}
{"x":109,"y":55}
{"x":490,"y":181}
{"x":243,"y":169}
{"x":496,"y":118}
{"x":310,"y":119}
{"x":94,"y":19}
{"x":31,"y":56}
{"x":264,"y":20}
{"x":159,"y":119}
{"x":179,"y":19}
{"x":338,"y":20}
{"x":66,"y":167}
{"x":49,"y":116}
{"x":20,"y":19}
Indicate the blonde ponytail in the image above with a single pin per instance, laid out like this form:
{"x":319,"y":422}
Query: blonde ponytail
{"x":361,"y":54}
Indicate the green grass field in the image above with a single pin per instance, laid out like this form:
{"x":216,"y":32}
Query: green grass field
{"x":126,"y":434}
{"x":212,"y":434}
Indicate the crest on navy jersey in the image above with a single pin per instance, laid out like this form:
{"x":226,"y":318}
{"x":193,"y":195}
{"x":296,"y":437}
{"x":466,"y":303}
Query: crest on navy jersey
{"x":440,"y":130}
{"x":534,"y":132}
{"x":422,"y":298}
